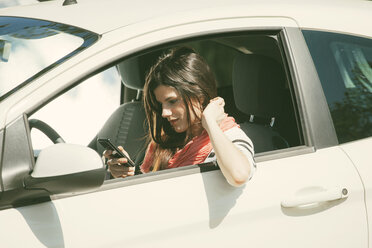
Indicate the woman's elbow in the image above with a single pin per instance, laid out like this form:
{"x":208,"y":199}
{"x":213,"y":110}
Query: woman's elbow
{"x":239,"y":179}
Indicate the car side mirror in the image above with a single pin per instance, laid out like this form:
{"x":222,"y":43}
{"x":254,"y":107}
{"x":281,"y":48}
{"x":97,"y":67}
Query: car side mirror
{"x":63,"y":168}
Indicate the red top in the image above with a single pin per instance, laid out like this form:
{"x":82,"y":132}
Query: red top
{"x":194,"y":152}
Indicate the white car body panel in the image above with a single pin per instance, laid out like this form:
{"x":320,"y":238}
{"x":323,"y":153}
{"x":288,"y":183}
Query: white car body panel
{"x":203,"y":210}
{"x":116,"y":16}
{"x":113,"y":46}
{"x":359,"y":152}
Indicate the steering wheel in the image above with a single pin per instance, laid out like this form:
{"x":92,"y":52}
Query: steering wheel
{"x":46,"y":129}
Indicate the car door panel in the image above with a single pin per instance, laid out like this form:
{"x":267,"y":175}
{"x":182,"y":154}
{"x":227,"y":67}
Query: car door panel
{"x":203,"y":209}
{"x":358,"y":152}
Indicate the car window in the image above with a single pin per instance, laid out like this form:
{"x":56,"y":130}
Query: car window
{"x":30,"y":47}
{"x":344,"y":65}
{"x":251,"y":77}
{"x":78,"y":114}
{"x":263,"y":106}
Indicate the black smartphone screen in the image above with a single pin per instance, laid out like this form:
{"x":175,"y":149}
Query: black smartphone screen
{"x":108,"y":145}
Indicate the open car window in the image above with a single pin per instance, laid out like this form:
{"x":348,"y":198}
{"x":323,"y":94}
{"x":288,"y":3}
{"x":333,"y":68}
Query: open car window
{"x":251,"y":77}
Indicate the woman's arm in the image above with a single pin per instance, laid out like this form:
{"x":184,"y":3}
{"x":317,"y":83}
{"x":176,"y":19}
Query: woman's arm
{"x":235,"y":166}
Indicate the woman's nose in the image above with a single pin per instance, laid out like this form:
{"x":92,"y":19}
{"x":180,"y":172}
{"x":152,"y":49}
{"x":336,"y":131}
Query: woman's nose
{"x":166,"y":112}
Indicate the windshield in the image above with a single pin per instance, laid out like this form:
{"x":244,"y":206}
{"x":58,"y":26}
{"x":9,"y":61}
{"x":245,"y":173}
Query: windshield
{"x":30,"y":47}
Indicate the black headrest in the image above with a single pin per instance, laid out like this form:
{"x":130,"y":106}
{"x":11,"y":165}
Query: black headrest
{"x":133,"y":71}
{"x":257,"y":84}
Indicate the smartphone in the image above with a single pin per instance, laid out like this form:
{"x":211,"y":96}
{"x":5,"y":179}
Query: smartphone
{"x":116,"y":153}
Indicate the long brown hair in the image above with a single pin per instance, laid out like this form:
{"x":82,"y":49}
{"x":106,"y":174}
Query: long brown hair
{"x":187,"y":72}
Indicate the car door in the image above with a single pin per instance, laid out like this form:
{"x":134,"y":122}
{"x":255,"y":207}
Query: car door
{"x":348,"y":93}
{"x":309,"y":195}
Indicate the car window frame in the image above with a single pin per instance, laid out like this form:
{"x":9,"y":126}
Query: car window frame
{"x":308,"y":147}
{"x":315,"y":116}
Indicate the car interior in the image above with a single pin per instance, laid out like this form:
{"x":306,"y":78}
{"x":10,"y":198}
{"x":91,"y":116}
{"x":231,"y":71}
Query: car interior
{"x":251,"y":78}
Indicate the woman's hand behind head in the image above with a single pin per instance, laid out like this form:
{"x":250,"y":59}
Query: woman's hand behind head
{"x":214,"y":112}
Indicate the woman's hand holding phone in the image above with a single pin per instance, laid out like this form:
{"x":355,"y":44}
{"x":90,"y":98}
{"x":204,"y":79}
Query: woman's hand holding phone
{"x":117,"y":165}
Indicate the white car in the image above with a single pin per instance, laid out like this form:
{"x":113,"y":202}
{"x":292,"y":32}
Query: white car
{"x":296,"y":76}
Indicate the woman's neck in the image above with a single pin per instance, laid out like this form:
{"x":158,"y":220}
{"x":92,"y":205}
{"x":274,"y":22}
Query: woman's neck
{"x":195,"y":130}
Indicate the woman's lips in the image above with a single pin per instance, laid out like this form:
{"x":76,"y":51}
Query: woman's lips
{"x":173,"y":122}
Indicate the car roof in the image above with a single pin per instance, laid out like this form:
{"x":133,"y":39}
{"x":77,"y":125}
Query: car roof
{"x":101,"y":16}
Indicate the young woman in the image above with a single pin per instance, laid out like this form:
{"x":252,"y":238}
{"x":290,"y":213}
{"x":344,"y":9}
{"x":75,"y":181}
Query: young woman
{"x":187,"y":121}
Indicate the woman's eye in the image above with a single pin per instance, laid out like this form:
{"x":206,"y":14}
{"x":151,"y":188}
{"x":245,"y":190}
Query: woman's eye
{"x":173,"y":101}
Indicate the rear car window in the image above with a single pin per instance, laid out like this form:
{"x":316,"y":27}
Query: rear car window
{"x":30,"y":47}
{"x":344,"y":65}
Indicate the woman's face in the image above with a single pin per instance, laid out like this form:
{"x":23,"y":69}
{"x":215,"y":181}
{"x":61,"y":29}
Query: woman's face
{"x":173,"y":108}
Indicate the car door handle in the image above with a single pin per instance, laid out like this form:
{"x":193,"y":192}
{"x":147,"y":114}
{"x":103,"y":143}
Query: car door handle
{"x":324,"y":196}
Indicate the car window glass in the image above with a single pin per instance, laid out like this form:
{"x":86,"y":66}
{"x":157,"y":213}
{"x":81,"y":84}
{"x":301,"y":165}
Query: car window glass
{"x":78,"y":114}
{"x":353,"y":62}
{"x":29,"y":47}
{"x":344,"y":66}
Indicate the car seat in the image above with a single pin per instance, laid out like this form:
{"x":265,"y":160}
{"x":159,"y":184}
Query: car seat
{"x":127,"y":125}
{"x":257,"y":85}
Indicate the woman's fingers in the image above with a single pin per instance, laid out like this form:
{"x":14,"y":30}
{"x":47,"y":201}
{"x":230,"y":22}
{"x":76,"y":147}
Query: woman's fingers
{"x":214,"y":111}
{"x":221,"y":117}
{"x":218,"y":100}
{"x":124,"y":151}
{"x":128,"y":173}
{"x":121,"y":168}
{"x":219,"y":104}
{"x":117,"y":161}
{"x":117,"y":165}
{"x":121,"y":171}
{"x":107,"y":153}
